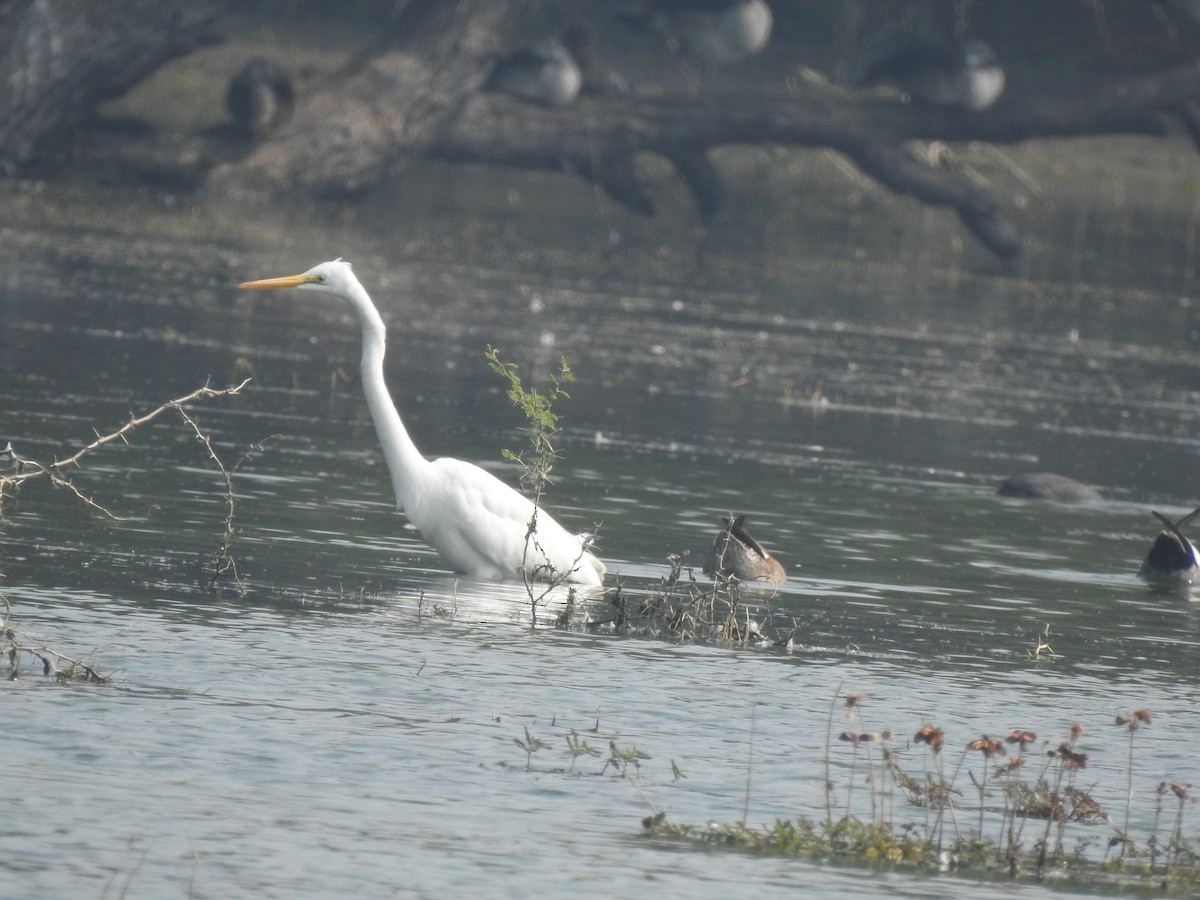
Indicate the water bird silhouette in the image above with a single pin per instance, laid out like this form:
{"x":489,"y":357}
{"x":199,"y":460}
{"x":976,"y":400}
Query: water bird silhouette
{"x":1172,"y":555}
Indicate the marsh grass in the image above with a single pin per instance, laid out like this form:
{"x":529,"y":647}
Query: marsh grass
{"x":1016,"y":781}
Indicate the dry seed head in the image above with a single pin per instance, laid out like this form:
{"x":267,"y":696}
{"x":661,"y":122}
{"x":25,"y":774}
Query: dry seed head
{"x":987,"y":746}
{"x":1142,"y":715}
{"x":1024,"y":738}
{"x":1014,"y":763}
{"x":931,"y":735}
{"x":1180,"y":789}
{"x":849,"y":736}
{"x":853,"y":700}
{"x":1076,"y":730}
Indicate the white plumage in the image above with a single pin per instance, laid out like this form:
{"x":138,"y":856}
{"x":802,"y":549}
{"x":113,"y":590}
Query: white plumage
{"x":479,"y":524}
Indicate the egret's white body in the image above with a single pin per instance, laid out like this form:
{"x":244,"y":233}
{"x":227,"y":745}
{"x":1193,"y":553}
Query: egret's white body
{"x":479,"y":524}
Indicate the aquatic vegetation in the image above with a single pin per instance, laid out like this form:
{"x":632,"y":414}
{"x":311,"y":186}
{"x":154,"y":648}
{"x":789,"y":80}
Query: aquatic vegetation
{"x":578,"y":747}
{"x":530,"y":745}
{"x":871,"y":833}
{"x":727,"y":612}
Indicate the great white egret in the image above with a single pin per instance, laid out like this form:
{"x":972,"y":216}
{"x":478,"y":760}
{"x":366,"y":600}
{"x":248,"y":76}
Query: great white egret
{"x":736,"y":555}
{"x":479,"y":525}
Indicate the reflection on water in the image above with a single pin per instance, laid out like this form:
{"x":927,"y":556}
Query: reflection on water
{"x":349,"y":725}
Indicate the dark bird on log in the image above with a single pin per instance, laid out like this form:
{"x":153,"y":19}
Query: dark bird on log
{"x":709,"y":32}
{"x":736,"y":555}
{"x":966,"y":74}
{"x":545,"y":73}
{"x":260,"y":98}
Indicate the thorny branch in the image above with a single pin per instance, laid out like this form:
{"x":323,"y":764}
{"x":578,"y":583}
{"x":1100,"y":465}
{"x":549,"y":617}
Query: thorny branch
{"x":23,"y":470}
{"x":12,"y":645}
{"x":27,"y":469}
{"x":224,"y":561}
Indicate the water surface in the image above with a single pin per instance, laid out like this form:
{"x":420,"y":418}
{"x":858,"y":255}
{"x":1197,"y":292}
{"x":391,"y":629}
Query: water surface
{"x":349,"y":725}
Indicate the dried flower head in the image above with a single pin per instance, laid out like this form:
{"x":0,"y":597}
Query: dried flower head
{"x":853,"y":700}
{"x":1024,"y":738}
{"x":1014,"y":763}
{"x":931,"y":735}
{"x":1180,"y":789}
{"x":848,"y":736}
{"x":987,"y":746}
{"x":1142,"y":715}
{"x":1076,"y":730}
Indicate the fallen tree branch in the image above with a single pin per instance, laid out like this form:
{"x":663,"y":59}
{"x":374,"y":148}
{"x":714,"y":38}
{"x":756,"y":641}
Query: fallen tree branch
{"x":24,"y":470}
{"x":16,"y":644}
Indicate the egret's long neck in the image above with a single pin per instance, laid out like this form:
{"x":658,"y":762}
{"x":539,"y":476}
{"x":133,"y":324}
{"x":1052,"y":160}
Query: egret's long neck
{"x":404,"y":461}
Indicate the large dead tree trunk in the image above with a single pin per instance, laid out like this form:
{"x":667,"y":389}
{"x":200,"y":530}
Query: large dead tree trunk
{"x":417,"y":94}
{"x":378,"y":116}
{"x":59,"y":59}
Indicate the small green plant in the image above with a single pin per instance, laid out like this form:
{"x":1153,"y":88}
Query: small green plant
{"x":530,"y":745}
{"x":579,"y":747}
{"x":537,"y":460}
{"x":620,"y":758}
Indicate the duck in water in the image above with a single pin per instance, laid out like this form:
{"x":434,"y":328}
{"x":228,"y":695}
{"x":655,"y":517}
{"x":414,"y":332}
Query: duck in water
{"x":1172,"y":556}
{"x":735,"y":555}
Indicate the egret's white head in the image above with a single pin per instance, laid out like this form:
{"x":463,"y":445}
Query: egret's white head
{"x":334,"y":277}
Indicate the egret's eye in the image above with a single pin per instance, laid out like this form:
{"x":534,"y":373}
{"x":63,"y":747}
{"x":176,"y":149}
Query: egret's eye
{"x":320,"y":278}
